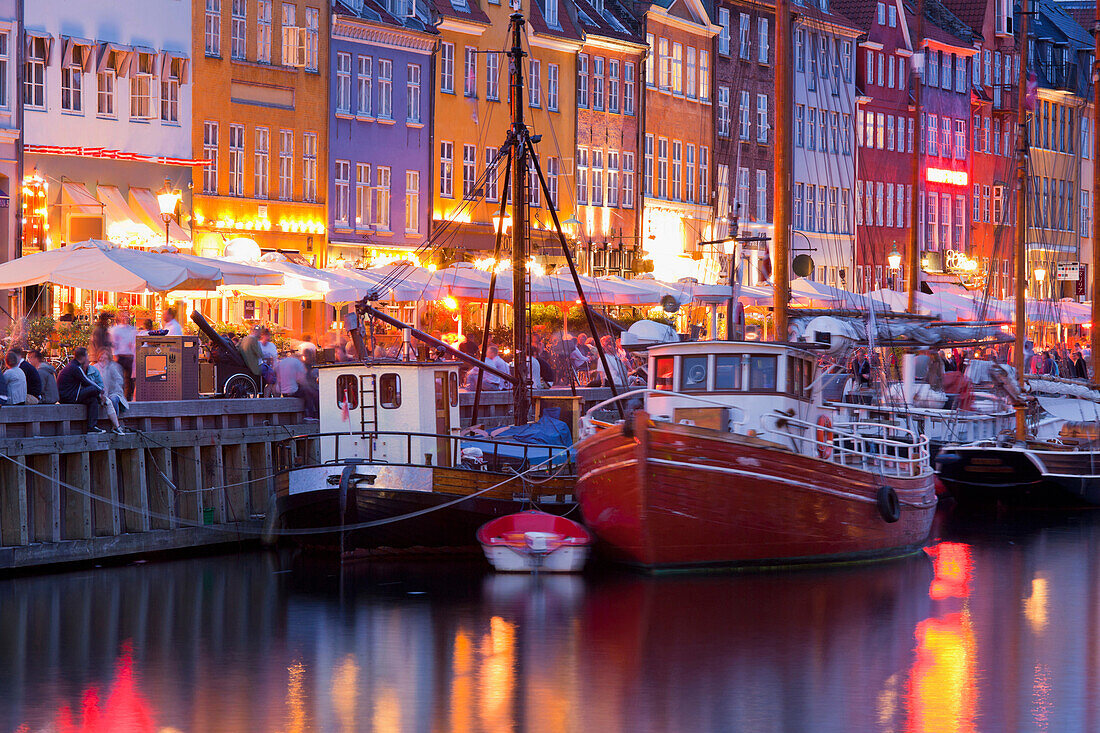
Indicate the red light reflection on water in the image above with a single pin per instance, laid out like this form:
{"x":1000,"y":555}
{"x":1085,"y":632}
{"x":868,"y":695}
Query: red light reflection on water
{"x":942,"y":688}
{"x":952,"y":566}
{"x":125,"y":710}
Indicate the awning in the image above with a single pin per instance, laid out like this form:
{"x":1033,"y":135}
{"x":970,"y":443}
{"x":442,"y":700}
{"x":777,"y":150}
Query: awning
{"x":173,"y":64}
{"x":123,"y":226}
{"x":141,"y":54}
{"x":37,"y":44}
{"x":76,"y":199}
{"x":69,"y":45}
{"x":114,"y":56}
{"x":144,"y":203}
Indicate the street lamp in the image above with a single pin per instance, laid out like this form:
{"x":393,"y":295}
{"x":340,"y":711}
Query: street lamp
{"x":167,"y":200}
{"x":1040,"y":274}
{"x":894,"y":259}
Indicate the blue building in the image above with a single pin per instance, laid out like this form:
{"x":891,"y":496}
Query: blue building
{"x":380,"y":111}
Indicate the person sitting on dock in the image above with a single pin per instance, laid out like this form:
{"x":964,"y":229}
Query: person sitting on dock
{"x":16,"y":381}
{"x":34,"y":381}
{"x":74,"y":387}
{"x":47,"y":374}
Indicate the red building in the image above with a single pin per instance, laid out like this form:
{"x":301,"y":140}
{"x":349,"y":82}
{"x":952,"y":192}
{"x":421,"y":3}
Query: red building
{"x":884,"y":141}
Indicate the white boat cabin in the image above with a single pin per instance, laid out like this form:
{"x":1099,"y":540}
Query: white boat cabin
{"x":730,"y":385}
{"x":370,"y":410}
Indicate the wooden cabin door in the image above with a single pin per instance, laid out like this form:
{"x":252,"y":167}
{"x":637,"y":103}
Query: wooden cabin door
{"x":443,"y":418}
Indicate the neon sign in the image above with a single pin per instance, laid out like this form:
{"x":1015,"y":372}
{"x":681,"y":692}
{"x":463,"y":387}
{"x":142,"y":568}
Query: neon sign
{"x":942,"y":175}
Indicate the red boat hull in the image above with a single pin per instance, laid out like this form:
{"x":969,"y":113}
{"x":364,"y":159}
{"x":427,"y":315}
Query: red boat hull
{"x":678,"y":496}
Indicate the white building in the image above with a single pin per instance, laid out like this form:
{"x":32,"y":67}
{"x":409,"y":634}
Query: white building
{"x":107,"y":114}
{"x":822,"y":218}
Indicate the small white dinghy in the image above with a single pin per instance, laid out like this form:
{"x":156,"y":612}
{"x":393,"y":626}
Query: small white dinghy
{"x":533,"y":541}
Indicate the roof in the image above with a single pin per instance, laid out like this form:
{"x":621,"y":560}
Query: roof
{"x":860,"y":12}
{"x":1052,"y":14}
{"x":472,"y":13}
{"x":538,"y":23}
{"x":615,"y":22}
{"x":940,"y":25}
{"x":375,"y":11}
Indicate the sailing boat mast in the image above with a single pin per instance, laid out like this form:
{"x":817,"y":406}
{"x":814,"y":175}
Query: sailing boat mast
{"x":784,"y":92}
{"x":521,"y":389}
{"x":1021,"y":216}
{"x":912,"y":251}
{"x":1094,"y":331}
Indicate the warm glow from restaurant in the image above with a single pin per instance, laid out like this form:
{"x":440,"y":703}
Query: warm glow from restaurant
{"x":942,"y":687}
{"x":943,"y":175}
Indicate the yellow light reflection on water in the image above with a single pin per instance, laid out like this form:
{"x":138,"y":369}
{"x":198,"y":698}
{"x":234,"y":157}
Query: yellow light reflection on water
{"x":942,"y":689}
{"x":1035,"y":606}
{"x":496,"y":679}
{"x":345,"y":692}
{"x":295,"y":698}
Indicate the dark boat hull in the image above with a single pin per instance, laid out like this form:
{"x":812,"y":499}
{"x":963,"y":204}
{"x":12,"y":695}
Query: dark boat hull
{"x":313,"y":516}
{"x":1010,"y":476}
{"x":671,"y":496}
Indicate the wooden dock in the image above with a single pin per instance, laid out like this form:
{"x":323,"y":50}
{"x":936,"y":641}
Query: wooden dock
{"x":197,"y":472}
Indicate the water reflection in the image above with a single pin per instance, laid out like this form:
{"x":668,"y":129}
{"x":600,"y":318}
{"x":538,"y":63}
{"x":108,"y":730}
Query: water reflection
{"x":986,"y":631}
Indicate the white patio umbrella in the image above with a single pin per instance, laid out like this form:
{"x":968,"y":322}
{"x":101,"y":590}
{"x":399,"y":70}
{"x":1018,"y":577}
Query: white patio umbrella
{"x":300,"y":281}
{"x":107,"y":267}
{"x":821,"y":294}
{"x":234,"y":272}
{"x":399,"y":282}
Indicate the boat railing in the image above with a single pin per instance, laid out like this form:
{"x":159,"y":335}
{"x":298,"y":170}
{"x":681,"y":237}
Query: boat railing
{"x":939,"y":423}
{"x":495,"y":453}
{"x":589,"y":423}
{"x":891,"y":450}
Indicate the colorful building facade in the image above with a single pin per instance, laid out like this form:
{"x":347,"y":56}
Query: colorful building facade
{"x":608,"y":125}
{"x":677,"y":161}
{"x":379,"y":138}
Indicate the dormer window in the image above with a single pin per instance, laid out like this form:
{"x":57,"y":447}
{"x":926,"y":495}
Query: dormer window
{"x":552,"y":13}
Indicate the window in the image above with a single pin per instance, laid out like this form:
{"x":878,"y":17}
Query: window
{"x":141,"y":87}
{"x":612,"y":198}
{"x":551,"y":15}
{"x":677,"y":168}
{"x":693,"y":373}
{"x":552,"y":87}
{"x":261,"y":162}
{"x":553,"y":170}
{"x":933,"y":122}
{"x":382,"y":199}
{"x":762,"y":48}
{"x":889,"y":132}
{"x":800,"y":125}
{"x":286,"y":164}
{"x":34,"y":73}
{"x":597,"y":178}
{"x":341,"y":177}
{"x":689,"y":170}
{"x":385,"y":89}
{"x":704,"y":76}
{"x":363,"y":81}
{"x":492,"y":75}
{"x":72,"y":86}
{"x":1085,"y":220}
{"x":628,"y":87}
{"x":597,"y":82}
{"x":491,"y":174}
{"x":447,"y":68}
{"x":762,"y":118}
{"x":960,"y":215}
{"x":796,"y":214}
{"x":343,"y":82}
{"x":582,"y":81}
{"x":312,"y":40}
{"x":412,"y":93}
{"x":5,"y":57}
{"x":210,"y":154}
{"x":292,"y":53}
{"x":704,"y":175}
{"x":169,"y":98}
{"x":762,"y":373}
{"x":724,"y":111}
{"x":744,"y":116}
{"x":960,"y":139}
{"x":469,"y":169}
{"x":662,"y":373}
{"x":628,"y":181}
{"x":743,"y":46}
{"x":677,"y":68}
{"x":582,"y":176}
{"x":727,"y":372}
{"x":662,"y":167}
{"x":762,"y":195}
{"x":309,"y":167}
{"x":347,"y":391}
{"x":213,"y":36}
{"x":945,"y":140}
{"x":237,"y":29}
{"x":470,"y":72}
{"x":534,"y":84}
{"x":650,"y":78}
{"x":389,"y":391}
{"x":889,"y":204}
{"x":648,"y":162}
{"x":811,"y":197}
{"x":846,"y":134}
{"x":236,"y":160}
{"x":985,"y":203}
{"x":263,"y":31}
{"x":723,"y":31}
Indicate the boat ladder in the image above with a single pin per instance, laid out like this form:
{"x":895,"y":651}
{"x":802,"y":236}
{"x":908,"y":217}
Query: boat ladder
{"x":368,"y":404}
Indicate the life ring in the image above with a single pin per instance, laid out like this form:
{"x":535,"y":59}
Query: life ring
{"x":888,"y":505}
{"x":824,"y":438}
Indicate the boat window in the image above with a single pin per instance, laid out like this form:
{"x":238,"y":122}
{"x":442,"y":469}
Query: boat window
{"x":454,"y":388}
{"x":795,"y":375}
{"x":347,"y":390}
{"x":662,"y":373}
{"x":693,"y":373}
{"x":762,"y":373}
{"x":389,"y":391}
{"x":727,"y":372}
{"x":808,"y":378}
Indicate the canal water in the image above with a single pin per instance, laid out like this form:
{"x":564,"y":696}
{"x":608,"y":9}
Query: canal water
{"x":995,"y":628}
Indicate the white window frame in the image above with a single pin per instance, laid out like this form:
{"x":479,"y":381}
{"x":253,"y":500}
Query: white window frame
{"x":286,"y":165}
{"x":412,"y":202}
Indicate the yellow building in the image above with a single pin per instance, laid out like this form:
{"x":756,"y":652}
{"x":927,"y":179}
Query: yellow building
{"x":262,"y":120}
{"x":471,"y":94}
